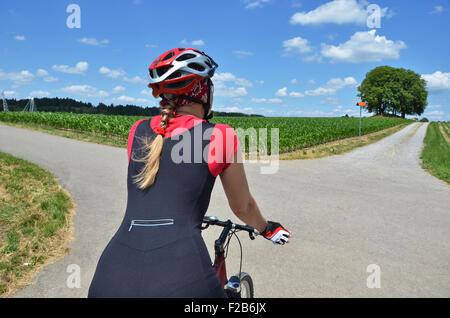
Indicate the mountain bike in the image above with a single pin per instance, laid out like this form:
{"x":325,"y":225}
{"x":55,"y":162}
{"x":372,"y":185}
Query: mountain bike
{"x":240,"y":285}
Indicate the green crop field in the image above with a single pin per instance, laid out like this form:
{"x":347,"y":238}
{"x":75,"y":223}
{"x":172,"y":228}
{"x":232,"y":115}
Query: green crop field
{"x":294,"y":132}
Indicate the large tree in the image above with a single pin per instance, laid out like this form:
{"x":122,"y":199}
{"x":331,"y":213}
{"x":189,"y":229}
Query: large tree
{"x":393,"y":90}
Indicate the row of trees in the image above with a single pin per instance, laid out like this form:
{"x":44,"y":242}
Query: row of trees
{"x":396,"y":91}
{"x":70,"y":105}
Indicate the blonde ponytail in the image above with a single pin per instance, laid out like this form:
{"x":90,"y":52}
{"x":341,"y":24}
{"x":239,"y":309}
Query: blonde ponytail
{"x":153,"y":148}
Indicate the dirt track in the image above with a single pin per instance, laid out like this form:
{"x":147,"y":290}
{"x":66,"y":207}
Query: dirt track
{"x":374,"y":205}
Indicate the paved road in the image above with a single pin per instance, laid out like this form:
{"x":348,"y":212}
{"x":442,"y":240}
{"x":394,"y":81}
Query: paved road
{"x":374,"y":205}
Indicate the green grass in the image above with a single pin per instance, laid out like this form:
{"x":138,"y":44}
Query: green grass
{"x":35,"y":220}
{"x":436,"y":153}
{"x":294,"y":132}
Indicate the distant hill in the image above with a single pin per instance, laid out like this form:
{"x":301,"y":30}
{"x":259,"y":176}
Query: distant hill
{"x":70,"y":105}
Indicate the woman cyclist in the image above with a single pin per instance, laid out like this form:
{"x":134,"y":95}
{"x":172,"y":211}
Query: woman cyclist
{"x":158,"y":250}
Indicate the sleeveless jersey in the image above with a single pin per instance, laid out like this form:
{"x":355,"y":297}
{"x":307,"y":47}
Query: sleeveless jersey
{"x":158,"y":250}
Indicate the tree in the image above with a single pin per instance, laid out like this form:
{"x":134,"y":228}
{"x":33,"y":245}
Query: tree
{"x":394,"y":90}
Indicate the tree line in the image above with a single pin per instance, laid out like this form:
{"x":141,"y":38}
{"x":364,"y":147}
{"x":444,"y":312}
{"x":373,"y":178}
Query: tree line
{"x":66,"y":105}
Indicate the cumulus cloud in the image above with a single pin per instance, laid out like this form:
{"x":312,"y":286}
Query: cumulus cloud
{"x":195,"y":42}
{"x":281,"y":92}
{"x":93,"y":41}
{"x":80,"y":68}
{"x":296,"y":94}
{"x":118,"y":89}
{"x":111,"y":73}
{"x":41,"y":72}
{"x":267,"y":101}
{"x":85,"y":91}
{"x":237,"y":90}
{"x":39,"y":93}
{"x":50,"y":79}
{"x":437,"y":82}
{"x":252,"y":4}
{"x":364,"y":47}
{"x":10,"y":94}
{"x":438,"y":9}
{"x":242,"y":54}
{"x":332,"y":86}
{"x":19,"y":38}
{"x":135,"y":80}
{"x":338,"y":12}
{"x":18,"y":78}
{"x":146,"y":92}
{"x":296,"y":45}
{"x":128,"y":99}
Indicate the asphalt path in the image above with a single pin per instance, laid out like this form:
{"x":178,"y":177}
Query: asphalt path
{"x":373,"y":205}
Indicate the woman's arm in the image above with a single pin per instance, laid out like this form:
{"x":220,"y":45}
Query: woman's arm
{"x":239,"y":197}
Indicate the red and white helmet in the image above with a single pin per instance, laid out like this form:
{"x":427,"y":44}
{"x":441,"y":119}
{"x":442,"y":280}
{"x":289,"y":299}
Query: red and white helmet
{"x":179,"y":70}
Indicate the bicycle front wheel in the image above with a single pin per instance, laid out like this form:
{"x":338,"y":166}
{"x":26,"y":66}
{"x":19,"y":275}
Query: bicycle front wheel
{"x":247,"y":290}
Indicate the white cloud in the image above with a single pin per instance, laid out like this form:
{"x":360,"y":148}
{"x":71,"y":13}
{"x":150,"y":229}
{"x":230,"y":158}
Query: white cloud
{"x":259,"y":82}
{"x":111,"y":73}
{"x":221,"y":89}
{"x":337,"y":11}
{"x":242,"y":54}
{"x":438,"y":81}
{"x":438,"y":9}
{"x":267,"y":101}
{"x":128,"y":99}
{"x":85,"y":91}
{"x":80,"y":68}
{"x":252,"y":4}
{"x":93,"y":41}
{"x":41,"y":72}
{"x":296,"y":94}
{"x":332,"y":86}
{"x":281,"y":92}
{"x":39,"y":93}
{"x":18,"y":78}
{"x":19,"y":38}
{"x":296,"y":45}
{"x":135,"y":80}
{"x":313,"y":58}
{"x":9,"y":94}
{"x":320,"y":91}
{"x":434,"y":115}
{"x":364,"y":47}
{"x":294,"y":81}
{"x":146,"y":92}
{"x":50,"y":79}
{"x":151,"y":45}
{"x":118,"y":89}
{"x":195,"y":42}
{"x":338,"y":83}
{"x":229,"y":77}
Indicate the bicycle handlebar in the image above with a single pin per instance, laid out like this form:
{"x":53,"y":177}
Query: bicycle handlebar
{"x":213,"y":220}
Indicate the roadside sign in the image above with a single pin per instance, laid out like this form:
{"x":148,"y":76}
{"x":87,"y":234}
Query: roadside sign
{"x":360,"y":104}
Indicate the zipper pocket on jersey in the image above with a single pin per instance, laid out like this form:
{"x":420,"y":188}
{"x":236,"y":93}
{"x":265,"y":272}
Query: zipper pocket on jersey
{"x":159,"y":222}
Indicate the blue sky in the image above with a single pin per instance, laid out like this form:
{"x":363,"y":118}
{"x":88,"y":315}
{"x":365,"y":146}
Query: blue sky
{"x":276,"y":57}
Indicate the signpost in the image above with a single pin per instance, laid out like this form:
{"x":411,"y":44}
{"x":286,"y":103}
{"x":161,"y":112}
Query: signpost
{"x":361,"y":105}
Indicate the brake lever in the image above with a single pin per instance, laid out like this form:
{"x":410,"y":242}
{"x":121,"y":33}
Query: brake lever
{"x":252,"y":237}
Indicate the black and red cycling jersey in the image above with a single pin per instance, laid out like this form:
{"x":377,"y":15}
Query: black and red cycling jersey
{"x":158,"y":250}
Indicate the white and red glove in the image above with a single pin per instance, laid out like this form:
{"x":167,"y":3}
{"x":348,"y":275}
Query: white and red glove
{"x":276,"y":233}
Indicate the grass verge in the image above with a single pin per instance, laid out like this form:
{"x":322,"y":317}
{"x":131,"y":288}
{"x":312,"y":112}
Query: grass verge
{"x":436,"y":153}
{"x":35,"y":222}
{"x":340,"y":146}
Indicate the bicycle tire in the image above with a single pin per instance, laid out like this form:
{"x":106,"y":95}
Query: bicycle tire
{"x":247,"y":286}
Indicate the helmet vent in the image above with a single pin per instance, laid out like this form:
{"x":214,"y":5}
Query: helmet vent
{"x":207,"y":63}
{"x":179,"y":85}
{"x":185,"y":57}
{"x":197,"y":67}
{"x":174,"y":75}
{"x":162,"y":70}
{"x":168,"y":56}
